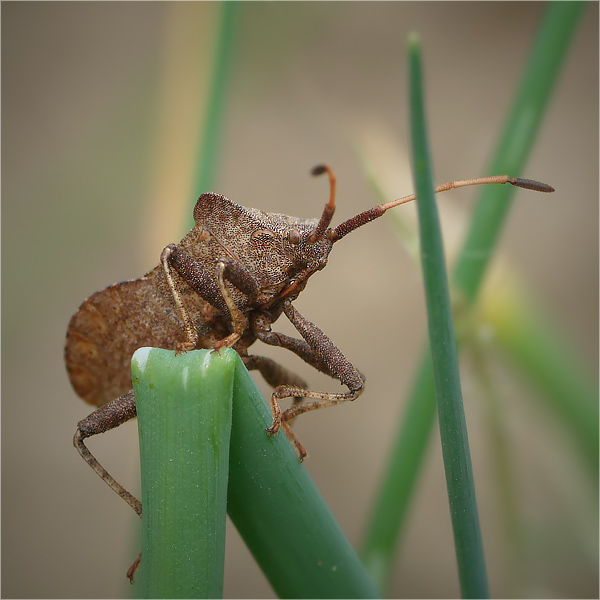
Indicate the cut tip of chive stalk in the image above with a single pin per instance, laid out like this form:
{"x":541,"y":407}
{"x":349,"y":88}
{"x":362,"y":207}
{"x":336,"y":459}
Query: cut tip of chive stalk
{"x":531,"y":184}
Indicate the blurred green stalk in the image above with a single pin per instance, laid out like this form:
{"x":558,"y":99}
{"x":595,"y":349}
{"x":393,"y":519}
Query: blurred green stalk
{"x":529,"y":340}
{"x":184,"y":407}
{"x":550,"y":47}
{"x":208,"y":149}
{"x":442,"y":342}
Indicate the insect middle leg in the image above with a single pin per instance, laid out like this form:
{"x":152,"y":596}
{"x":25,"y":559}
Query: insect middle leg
{"x":274,"y":374}
{"x":214,"y":292}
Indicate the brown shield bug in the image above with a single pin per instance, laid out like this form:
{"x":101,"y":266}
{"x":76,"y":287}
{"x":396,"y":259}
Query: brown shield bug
{"x":224,"y":285}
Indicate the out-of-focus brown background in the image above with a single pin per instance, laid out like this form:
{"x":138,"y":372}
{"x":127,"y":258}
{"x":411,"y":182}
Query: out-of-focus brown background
{"x":101,"y":103}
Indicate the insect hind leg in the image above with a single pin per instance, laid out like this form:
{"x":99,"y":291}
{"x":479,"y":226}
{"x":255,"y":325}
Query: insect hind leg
{"x":107,"y":417}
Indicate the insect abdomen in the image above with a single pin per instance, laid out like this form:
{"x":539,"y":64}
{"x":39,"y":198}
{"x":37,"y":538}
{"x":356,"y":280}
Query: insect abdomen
{"x":107,"y":329}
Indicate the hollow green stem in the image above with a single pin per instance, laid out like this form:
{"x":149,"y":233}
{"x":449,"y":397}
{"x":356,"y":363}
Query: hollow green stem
{"x":279,"y":512}
{"x":184,"y":407}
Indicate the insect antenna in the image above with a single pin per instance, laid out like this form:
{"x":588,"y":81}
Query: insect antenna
{"x":373,"y":213}
{"x":329,"y":209}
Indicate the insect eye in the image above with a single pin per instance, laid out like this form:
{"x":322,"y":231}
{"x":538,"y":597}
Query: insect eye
{"x":293,"y":236}
{"x":262,"y":234}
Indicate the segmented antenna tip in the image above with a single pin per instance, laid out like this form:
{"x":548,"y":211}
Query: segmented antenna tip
{"x":531,"y":184}
{"x":318,"y":170}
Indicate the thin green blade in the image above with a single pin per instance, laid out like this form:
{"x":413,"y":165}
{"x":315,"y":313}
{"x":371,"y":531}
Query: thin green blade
{"x":453,"y":429}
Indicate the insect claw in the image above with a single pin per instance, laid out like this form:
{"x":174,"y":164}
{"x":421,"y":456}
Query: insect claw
{"x":227,"y":342}
{"x":271,"y":431}
{"x":133,"y":568}
{"x":183,"y":347}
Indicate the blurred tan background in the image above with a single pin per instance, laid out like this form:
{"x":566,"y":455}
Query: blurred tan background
{"x":101,"y":103}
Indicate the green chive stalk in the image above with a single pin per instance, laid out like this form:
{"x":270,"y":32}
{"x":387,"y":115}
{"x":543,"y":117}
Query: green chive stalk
{"x":184,"y":407}
{"x":453,"y":429}
{"x":279,"y":512}
{"x":390,"y":509}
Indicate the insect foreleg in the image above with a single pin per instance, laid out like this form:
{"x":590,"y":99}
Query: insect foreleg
{"x":318,"y":350}
{"x":274,"y":374}
{"x":261,"y":327}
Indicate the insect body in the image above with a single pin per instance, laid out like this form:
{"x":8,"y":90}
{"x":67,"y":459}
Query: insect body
{"x":224,"y":285}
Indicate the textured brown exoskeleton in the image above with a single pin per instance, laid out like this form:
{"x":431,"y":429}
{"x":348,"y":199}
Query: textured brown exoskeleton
{"x":223,"y":285}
